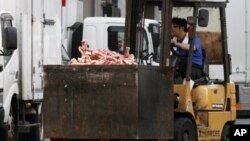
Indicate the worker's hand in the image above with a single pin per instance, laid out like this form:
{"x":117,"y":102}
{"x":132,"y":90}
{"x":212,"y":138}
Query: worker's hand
{"x":174,"y":42}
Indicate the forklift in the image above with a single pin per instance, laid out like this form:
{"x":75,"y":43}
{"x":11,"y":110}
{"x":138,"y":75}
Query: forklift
{"x":142,"y":102}
{"x":205,"y":108}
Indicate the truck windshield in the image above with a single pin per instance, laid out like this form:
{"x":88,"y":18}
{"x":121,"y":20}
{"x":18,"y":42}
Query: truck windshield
{"x":116,"y":39}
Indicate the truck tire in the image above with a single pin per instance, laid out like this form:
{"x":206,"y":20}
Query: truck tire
{"x":12,"y":132}
{"x":184,"y":130}
{"x":225,"y":136}
{"x":36,"y":132}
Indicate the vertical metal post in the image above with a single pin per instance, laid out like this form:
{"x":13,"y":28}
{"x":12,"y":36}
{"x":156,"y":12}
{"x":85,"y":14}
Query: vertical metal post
{"x":247,"y":38}
{"x":130,"y":25}
{"x":191,"y":49}
{"x":166,"y":32}
{"x":32,"y":47}
{"x":134,"y":14}
{"x":224,"y":44}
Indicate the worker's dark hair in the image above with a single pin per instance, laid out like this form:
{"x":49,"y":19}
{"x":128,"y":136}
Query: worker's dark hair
{"x":180,"y":22}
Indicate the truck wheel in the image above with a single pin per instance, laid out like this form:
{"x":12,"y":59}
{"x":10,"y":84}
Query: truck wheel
{"x":12,"y":129}
{"x":184,"y":130}
{"x":36,"y":132}
{"x":225,"y":133}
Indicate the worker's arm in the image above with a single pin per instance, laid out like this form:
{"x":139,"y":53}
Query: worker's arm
{"x":184,"y":46}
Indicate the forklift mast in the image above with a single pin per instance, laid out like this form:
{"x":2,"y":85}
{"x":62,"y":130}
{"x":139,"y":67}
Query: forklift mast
{"x":135,"y":21}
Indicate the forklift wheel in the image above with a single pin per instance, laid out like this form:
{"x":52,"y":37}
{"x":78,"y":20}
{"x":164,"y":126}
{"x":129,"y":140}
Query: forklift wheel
{"x":184,"y":130}
{"x":225,"y":133}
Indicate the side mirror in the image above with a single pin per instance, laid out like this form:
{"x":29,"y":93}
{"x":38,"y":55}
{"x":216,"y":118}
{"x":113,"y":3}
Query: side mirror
{"x":10,"y":38}
{"x":154,"y":29}
{"x":203,"y":18}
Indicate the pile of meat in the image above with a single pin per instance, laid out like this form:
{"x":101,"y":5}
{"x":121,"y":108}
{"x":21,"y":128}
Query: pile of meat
{"x":102,"y":57}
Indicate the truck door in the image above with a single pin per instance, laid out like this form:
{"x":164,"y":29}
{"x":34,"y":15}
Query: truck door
{"x":46,"y":30}
{"x":51,"y":32}
{"x":8,"y":62}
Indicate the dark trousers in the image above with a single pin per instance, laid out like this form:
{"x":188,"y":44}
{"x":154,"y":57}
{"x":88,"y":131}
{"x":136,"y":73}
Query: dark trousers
{"x":196,"y":71}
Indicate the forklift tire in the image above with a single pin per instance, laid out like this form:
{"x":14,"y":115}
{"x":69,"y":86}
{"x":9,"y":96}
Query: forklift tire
{"x":225,"y":136}
{"x":184,"y":130}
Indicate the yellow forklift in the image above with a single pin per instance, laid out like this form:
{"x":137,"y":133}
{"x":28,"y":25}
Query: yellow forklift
{"x":205,"y":108}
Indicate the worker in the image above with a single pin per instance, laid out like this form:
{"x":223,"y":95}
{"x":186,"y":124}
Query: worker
{"x":182,"y":41}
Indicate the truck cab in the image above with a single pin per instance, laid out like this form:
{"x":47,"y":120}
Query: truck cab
{"x":8,"y":71}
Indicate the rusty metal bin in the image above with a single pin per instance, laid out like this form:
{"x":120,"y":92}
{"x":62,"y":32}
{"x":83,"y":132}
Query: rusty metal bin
{"x":108,"y":102}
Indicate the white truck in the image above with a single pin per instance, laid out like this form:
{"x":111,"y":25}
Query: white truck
{"x":30,"y":36}
{"x":108,"y":33}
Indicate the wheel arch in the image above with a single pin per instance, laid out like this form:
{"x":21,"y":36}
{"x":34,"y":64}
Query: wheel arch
{"x":185,"y":115}
{"x":11,"y":99}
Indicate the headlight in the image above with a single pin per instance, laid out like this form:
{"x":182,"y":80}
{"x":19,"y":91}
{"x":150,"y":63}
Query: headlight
{"x":176,"y":100}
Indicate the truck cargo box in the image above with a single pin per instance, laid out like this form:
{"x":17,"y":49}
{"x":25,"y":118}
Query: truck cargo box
{"x":108,"y":102}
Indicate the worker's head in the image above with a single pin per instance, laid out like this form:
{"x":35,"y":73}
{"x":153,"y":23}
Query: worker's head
{"x":179,"y":26}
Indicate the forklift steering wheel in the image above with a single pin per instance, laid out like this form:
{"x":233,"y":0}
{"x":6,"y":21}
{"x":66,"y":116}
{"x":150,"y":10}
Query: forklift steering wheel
{"x":175,"y":52}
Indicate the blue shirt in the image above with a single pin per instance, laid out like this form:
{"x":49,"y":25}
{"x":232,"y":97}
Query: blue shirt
{"x":197,"y":54}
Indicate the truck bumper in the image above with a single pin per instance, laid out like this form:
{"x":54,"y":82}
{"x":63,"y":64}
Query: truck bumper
{"x":1,"y":115}
{"x":3,"y":127}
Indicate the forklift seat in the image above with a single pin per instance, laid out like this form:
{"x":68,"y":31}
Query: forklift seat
{"x":205,"y":68}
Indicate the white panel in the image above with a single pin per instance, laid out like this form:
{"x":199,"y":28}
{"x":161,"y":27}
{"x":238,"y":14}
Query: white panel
{"x":8,"y":5}
{"x":52,"y":34}
{"x":237,"y":38}
{"x":71,"y":12}
{"x":216,"y":72}
{"x":1,"y":64}
{"x":24,"y":38}
{"x":37,"y":48}
{"x":79,"y":9}
{"x":214,"y":16}
{"x":122,"y":6}
{"x":90,"y":36}
{"x":26,"y":59}
{"x":98,"y":8}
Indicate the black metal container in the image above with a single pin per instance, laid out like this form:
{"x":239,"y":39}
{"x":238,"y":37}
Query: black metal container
{"x":108,"y":102}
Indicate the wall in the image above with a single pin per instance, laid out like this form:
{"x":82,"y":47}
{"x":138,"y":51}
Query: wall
{"x":238,"y":24}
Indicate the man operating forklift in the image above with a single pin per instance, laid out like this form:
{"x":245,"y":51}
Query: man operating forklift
{"x":182,"y":40}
